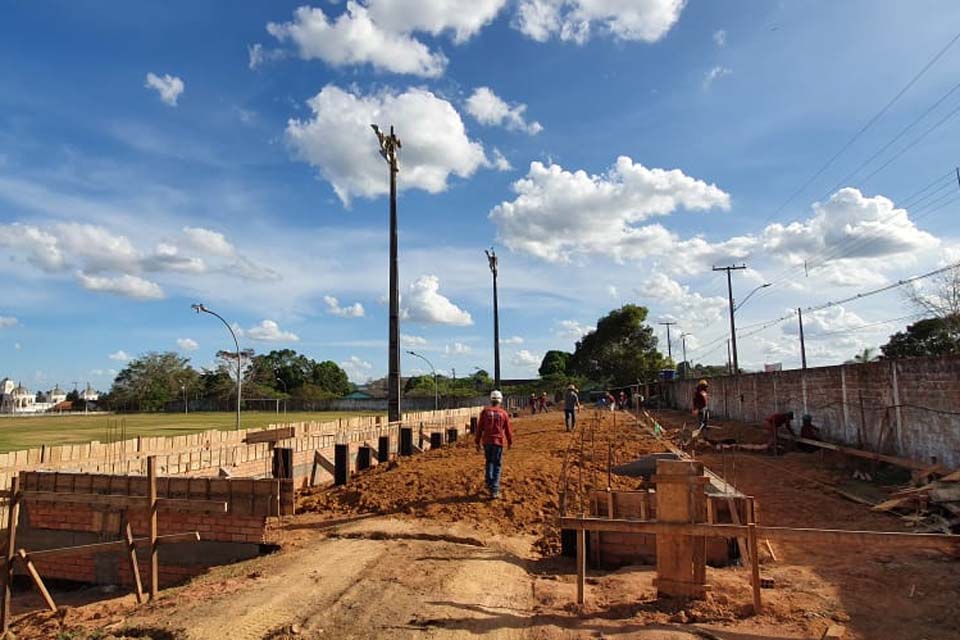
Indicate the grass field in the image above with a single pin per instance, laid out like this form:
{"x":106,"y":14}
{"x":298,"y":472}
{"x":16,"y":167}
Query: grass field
{"x":26,"y":432}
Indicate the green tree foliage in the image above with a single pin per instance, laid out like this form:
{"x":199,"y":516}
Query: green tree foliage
{"x":286,"y":371}
{"x":620,"y":351}
{"x":555,"y":363}
{"x":151,"y":381}
{"x":928,"y":337}
{"x":867,"y":355}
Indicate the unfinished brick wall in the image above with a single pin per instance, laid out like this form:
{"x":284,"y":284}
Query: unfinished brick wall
{"x":908,"y":408}
{"x":226,"y":537}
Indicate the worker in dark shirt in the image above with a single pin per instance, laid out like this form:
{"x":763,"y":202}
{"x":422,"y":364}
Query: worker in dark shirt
{"x":773,"y":424}
{"x":699,"y":405}
{"x":809,"y":431}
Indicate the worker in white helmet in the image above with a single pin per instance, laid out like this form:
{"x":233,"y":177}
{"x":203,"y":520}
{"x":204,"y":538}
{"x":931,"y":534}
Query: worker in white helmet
{"x":493,"y":432}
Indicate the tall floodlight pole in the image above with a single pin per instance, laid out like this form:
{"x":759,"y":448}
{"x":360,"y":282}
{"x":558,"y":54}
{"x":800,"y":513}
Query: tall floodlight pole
{"x":733,"y":325}
{"x":683,"y":344}
{"x":389,"y":146}
{"x":200,"y":308}
{"x":494,"y":269}
{"x":436,"y":384}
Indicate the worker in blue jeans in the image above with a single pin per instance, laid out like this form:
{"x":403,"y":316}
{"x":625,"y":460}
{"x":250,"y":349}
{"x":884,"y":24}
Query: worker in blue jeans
{"x":493,"y":431}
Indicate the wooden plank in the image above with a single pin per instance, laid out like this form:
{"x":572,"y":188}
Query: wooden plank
{"x":867,"y":455}
{"x":134,"y":566}
{"x":13,"y":518}
{"x":116,"y":545}
{"x":271,"y":435}
{"x":735,"y":518}
{"x":681,"y":559}
{"x":773,"y":556}
{"x":154,"y":550}
{"x":120,"y":501}
{"x":37,"y":580}
{"x":886,"y":539}
{"x":754,"y":566}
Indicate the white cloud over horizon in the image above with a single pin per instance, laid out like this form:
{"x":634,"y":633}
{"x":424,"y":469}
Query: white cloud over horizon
{"x":354,"y":310}
{"x":270,"y":331}
{"x":168,"y":87}
{"x":187,"y":344}
{"x":425,"y":304}
{"x":578,"y":20}
{"x":489,"y":109}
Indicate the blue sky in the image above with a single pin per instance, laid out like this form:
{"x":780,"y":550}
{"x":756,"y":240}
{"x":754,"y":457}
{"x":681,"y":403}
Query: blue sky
{"x":152,"y":156}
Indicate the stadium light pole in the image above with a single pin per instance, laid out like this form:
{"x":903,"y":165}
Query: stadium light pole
{"x":200,"y":308}
{"x":389,"y":146}
{"x":436,"y":385}
{"x":495,"y":269}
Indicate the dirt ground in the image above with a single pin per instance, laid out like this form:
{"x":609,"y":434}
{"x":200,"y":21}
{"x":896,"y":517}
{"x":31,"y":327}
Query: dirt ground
{"x":414,"y":549}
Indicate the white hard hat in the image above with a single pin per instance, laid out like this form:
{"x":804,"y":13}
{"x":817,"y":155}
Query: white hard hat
{"x":496,"y":396}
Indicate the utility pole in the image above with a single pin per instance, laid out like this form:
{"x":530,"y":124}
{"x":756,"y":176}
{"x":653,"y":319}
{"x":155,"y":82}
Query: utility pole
{"x":683,"y":344}
{"x":733,"y":325}
{"x":803,"y":346}
{"x":389,"y":146}
{"x":729,"y":364}
{"x":494,"y":269}
{"x":669,"y":350}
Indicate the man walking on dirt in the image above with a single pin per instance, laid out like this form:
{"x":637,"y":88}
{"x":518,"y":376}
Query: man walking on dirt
{"x":493,"y":430}
{"x":571,"y":402}
{"x":699,"y":407}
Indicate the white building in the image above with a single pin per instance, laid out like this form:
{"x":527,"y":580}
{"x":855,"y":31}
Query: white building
{"x":16,"y":398}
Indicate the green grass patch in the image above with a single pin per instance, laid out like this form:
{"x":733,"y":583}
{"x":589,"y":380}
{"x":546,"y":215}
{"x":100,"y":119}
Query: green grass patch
{"x":27,"y":432}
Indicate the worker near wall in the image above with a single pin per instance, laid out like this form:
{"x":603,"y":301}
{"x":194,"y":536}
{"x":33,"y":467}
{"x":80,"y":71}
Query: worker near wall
{"x":773,"y":424}
{"x":699,"y":405}
{"x":571,"y":404}
{"x":809,"y":431}
{"x":532,"y":402}
{"x":493,"y":431}
{"x":542,"y":402}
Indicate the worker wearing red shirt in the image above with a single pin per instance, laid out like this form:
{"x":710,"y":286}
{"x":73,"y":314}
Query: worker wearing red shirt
{"x":773,"y":424}
{"x":699,"y":403}
{"x":493,"y":431}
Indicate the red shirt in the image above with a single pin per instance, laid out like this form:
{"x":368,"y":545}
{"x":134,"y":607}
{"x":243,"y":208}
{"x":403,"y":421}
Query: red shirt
{"x":494,"y":427}
{"x":777,"y":420}
{"x":700,"y":399}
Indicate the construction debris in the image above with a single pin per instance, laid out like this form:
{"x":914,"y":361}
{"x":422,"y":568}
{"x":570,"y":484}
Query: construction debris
{"x":933,"y":507}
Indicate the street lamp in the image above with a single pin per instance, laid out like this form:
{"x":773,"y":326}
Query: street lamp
{"x":183,"y":390}
{"x":436,"y":386}
{"x":494,"y":269}
{"x":200,"y":308}
{"x":285,"y":392}
{"x":744,"y":301}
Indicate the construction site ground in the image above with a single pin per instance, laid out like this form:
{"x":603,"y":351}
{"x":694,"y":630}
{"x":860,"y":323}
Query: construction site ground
{"x":413,"y":549}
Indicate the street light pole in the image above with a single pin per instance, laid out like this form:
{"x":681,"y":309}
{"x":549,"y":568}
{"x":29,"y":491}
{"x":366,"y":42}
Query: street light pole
{"x":389,"y":146}
{"x":494,"y":269}
{"x":733,"y":325}
{"x":436,"y":385}
{"x":200,"y":308}
{"x":284,"y":383}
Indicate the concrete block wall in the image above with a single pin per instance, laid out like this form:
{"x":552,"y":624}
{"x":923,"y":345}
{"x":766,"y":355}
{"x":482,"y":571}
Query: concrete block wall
{"x":908,"y":408}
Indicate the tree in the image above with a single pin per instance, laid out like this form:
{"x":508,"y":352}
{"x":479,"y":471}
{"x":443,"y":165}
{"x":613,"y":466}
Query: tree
{"x":869,"y":354}
{"x":928,"y":337}
{"x":621,"y":350}
{"x":330,"y":377}
{"x":940,"y":299}
{"x":554,"y":363}
{"x":149,"y":382}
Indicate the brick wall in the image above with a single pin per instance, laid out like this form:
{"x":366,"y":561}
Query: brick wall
{"x":908,"y":408}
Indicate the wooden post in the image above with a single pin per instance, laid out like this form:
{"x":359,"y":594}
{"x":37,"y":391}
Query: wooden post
{"x":363,"y":457}
{"x":473,"y":424}
{"x":134,"y":566}
{"x":13,"y":517}
{"x":341,"y":464}
{"x":37,"y":580}
{"x":581,"y":563}
{"x":383,"y":449}
{"x":681,"y":560}
{"x":406,"y":441}
{"x":436,"y":440}
{"x":154,"y":547}
{"x":754,"y":566}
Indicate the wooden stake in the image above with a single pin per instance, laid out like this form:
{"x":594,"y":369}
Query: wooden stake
{"x":754,"y":566}
{"x":773,"y":556}
{"x":13,"y":517}
{"x":581,"y":564}
{"x":37,"y":580}
{"x":154,"y":548}
{"x":134,"y":567}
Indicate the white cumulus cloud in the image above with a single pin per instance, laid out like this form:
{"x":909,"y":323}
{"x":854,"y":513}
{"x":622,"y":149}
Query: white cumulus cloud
{"x":715,"y":74}
{"x":119,"y":356}
{"x":357,"y":369}
{"x":269,"y":331}
{"x":125,"y":285}
{"x":169,"y":87}
{"x":524,"y":359}
{"x":691,"y":308}
{"x":187,"y":344}
{"x":457,"y":348}
{"x":490,"y":109}
{"x":424,"y":303}
{"x":558,"y":214}
{"x":354,"y":310}
{"x":464,"y":18}
{"x":577,"y":20}
{"x":571,"y":330}
{"x":354,"y":38}
{"x":720,"y":37}
{"x":513,"y":340}
{"x":337,"y":140}
{"x":408,"y":340}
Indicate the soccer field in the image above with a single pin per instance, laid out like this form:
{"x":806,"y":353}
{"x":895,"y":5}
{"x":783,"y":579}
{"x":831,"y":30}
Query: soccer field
{"x":27,"y":432}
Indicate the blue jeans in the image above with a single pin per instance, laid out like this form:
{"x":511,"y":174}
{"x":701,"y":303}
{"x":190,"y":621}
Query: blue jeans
{"x":494,"y":456}
{"x":570,"y":418}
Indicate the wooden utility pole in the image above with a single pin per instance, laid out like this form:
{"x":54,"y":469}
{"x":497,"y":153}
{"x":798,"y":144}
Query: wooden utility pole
{"x":389,"y":146}
{"x":803,"y":346}
{"x":669,"y":350}
{"x":683,"y":344}
{"x":733,"y":325}
{"x":494,"y":269}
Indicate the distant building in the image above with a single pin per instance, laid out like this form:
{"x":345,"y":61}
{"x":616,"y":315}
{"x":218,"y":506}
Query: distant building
{"x":16,"y":398}
{"x":89,"y":394}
